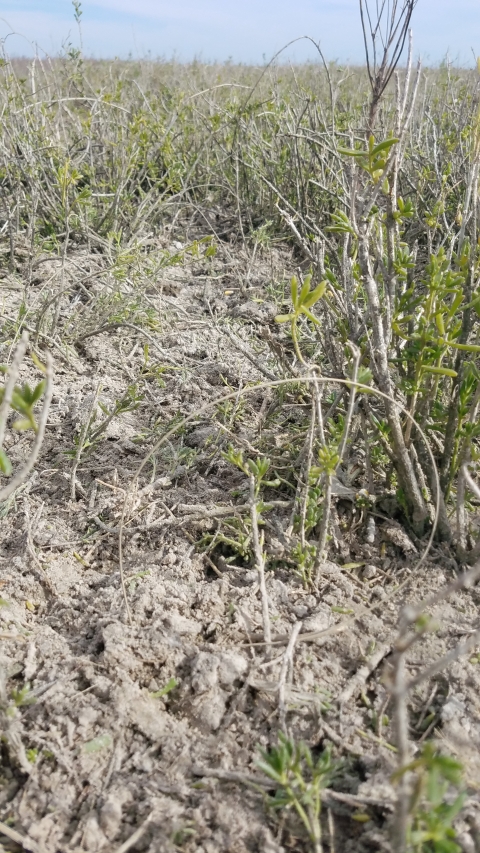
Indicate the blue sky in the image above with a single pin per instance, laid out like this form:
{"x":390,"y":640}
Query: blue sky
{"x":243,"y":30}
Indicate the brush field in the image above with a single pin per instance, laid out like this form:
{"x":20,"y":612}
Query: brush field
{"x":203,"y":577}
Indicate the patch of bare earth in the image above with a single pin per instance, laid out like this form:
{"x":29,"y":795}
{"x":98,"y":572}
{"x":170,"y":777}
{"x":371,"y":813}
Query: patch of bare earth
{"x":106,"y":758}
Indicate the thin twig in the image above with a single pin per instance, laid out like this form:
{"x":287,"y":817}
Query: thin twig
{"x":136,"y":836}
{"x":303,"y":486}
{"x":359,"y":679}
{"x":260,"y":564}
{"x":247,"y":354}
{"x":401,"y":738}
{"x":109,"y":327}
{"x":81,"y":440}
{"x":322,"y":536}
{"x":445,"y":661}
{"x":12,"y":834}
{"x":282,"y":679}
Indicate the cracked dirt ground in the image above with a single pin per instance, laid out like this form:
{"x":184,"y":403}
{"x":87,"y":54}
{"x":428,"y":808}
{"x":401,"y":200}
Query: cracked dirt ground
{"x":144,"y":736}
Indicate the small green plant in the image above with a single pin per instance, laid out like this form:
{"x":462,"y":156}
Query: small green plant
{"x":328,"y":462}
{"x":299,"y":779}
{"x":431,"y":809}
{"x":23,"y":401}
{"x":374,"y":158}
{"x":22,"y":697}
{"x":236,"y":531}
{"x":235,"y":534}
{"x":133,"y":582}
{"x":259,"y":468}
{"x":32,"y":754}
{"x":314,"y":506}
{"x":302,"y":302}
{"x":171,"y":684}
{"x":181,"y":835}
{"x":77,"y":9}
{"x":304,"y":560}
{"x":90,"y":436}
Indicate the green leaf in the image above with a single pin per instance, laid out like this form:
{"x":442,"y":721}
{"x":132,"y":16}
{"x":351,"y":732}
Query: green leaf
{"x":315,"y":295}
{"x":270,"y":771}
{"x":383,"y":146}
{"x":455,"y":304}
{"x":38,"y":364}
{"x":38,"y":391}
{"x":310,"y":316}
{"x":341,"y":223}
{"x":22,"y":425}
{"x":5,"y":464}
{"x":452,"y":810}
{"x":440,"y":323}
{"x":97,"y":744}
{"x":305,"y":288}
{"x":351,"y":152}
{"x":440,"y":371}
{"x":294,"y":290}
{"x":464,"y":347}
{"x":27,"y":394}
{"x":283,"y":318}
{"x":344,"y":610}
{"x":170,"y":685}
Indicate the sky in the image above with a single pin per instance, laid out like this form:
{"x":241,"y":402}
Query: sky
{"x":237,"y":30}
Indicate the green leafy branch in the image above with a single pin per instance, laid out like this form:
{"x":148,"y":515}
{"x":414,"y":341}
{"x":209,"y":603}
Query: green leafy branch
{"x":431,"y":814}
{"x":374,"y":159}
{"x":302,"y":302}
{"x":259,"y":468}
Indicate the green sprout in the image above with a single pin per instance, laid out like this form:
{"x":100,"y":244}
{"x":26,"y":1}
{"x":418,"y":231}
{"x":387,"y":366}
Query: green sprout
{"x":374,"y":159}
{"x":302,"y":302}
{"x":299,"y":780}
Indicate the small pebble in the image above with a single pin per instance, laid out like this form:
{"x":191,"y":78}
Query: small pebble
{"x":369,"y":572}
{"x":378,"y":592}
{"x":300,"y":611}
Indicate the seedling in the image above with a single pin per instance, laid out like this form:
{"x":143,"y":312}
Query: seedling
{"x":304,"y":559}
{"x":171,"y":684}
{"x":23,"y":697}
{"x":258,"y":467}
{"x":23,"y":400}
{"x":302,"y":302}
{"x":299,"y":780}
